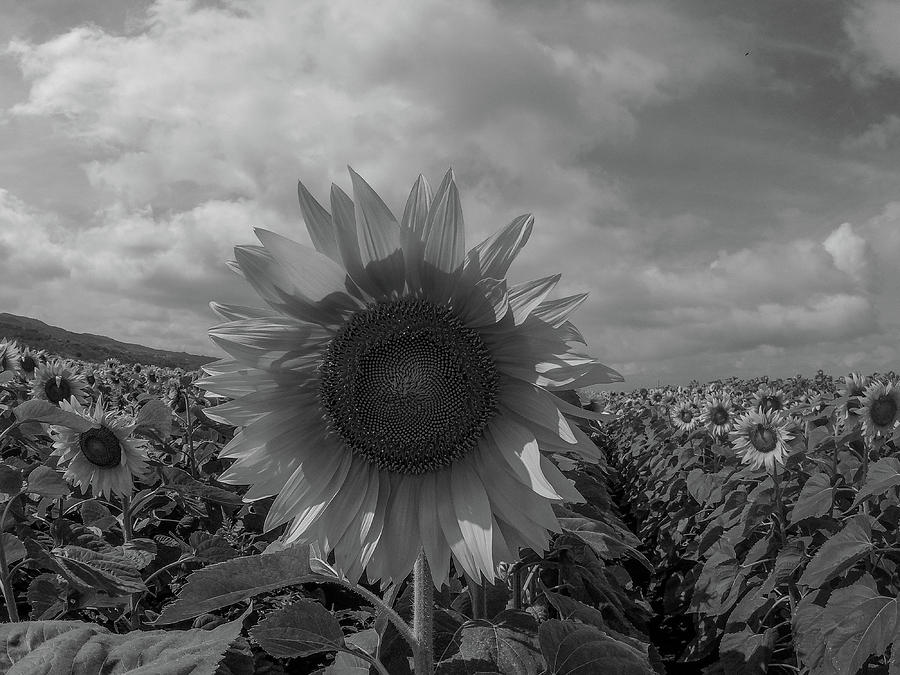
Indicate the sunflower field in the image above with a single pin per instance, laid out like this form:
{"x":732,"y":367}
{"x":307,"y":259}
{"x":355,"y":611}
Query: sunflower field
{"x":399,"y":468}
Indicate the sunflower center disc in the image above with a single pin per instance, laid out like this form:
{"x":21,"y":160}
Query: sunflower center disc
{"x":28,"y":364}
{"x":408,"y":386}
{"x":55,"y":393}
{"x":686,"y":416}
{"x":719,"y":416}
{"x":884,"y":410}
{"x":763,"y":438}
{"x":101,"y":447}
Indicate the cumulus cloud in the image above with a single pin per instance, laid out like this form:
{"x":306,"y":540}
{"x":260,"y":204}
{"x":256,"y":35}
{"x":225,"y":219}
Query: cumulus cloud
{"x":851,"y":254}
{"x":879,"y":136}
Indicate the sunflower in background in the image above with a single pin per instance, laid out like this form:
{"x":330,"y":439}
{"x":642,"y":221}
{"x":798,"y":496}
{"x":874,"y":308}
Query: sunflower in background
{"x":769,"y":400}
{"x":879,"y":409}
{"x":684,"y":415}
{"x":56,"y":382}
{"x":31,"y":360}
{"x":761,"y":438}
{"x":10,"y":358}
{"x":717,"y":416}
{"x":396,"y":394}
{"x":104,"y":458}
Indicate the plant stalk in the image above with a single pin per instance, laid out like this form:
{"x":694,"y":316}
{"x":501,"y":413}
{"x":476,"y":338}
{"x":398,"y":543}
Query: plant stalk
{"x":423,"y":616}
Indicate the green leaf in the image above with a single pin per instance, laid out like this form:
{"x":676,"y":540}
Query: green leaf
{"x":508,"y":644}
{"x":47,"y":482}
{"x":10,"y":479}
{"x":746,"y":652}
{"x":12,"y":547}
{"x":858,"y":623}
{"x":39,"y":410}
{"x":347,"y":663}
{"x":154,"y":416}
{"x":108,"y":571}
{"x":33,"y":647}
{"x":571,"y":648}
{"x":815,"y":498}
{"x":882,"y":476}
{"x":234,"y":580}
{"x":184,"y":484}
{"x":210,"y":548}
{"x":701,"y":485}
{"x":839,"y":553}
{"x":47,"y":594}
{"x":300,"y":629}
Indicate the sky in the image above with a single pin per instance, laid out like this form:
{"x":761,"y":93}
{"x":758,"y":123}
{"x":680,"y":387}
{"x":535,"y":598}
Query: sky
{"x":722,"y":178}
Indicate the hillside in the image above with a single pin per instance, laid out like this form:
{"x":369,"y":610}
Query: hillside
{"x":89,"y":347}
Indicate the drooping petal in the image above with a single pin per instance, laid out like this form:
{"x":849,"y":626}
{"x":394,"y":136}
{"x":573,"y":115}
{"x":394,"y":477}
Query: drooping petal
{"x":403,"y":517}
{"x":537,"y":406}
{"x":452,"y":533}
{"x":560,"y":483}
{"x":473,"y":512}
{"x":236,"y":312}
{"x":318,"y":224}
{"x":379,"y":238}
{"x":336,"y":522}
{"x":430,"y":533}
{"x":519,"y":448}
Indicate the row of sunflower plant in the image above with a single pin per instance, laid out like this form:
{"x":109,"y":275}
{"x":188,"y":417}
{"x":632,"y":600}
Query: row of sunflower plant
{"x":422,"y":497}
{"x":770,"y":514}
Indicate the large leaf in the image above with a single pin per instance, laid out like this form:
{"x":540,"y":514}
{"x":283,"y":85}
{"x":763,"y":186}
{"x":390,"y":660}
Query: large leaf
{"x":746,"y":652}
{"x":815,"y":498}
{"x":12,"y":547}
{"x":508,"y":644}
{"x":79,"y":648}
{"x":210,"y":548}
{"x":858,"y":623}
{"x":10,"y":479}
{"x":809,"y":639}
{"x":234,"y":580}
{"x":108,"y":571}
{"x":300,"y":629}
{"x":47,"y":594}
{"x":881,"y":476}
{"x":154,"y":416}
{"x":571,"y":648}
{"x":839,"y":553}
{"x":39,"y":410}
{"x":46,"y":482}
{"x":701,"y":485}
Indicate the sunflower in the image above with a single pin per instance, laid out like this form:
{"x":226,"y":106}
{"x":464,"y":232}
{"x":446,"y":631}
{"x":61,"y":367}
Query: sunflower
{"x":396,"y":394}
{"x":716,"y":415}
{"x":10,"y":357}
{"x":55,"y":382}
{"x":760,"y":438}
{"x":879,"y":409}
{"x":31,"y":360}
{"x":684,"y":416}
{"x":103,"y":458}
{"x":769,"y":400}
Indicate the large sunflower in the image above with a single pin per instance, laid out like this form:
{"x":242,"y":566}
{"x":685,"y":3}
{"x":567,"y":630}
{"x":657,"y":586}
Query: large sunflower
{"x":880,"y":409}
{"x":760,"y":438}
{"x":684,"y":415}
{"x":105,"y":457}
{"x":395,"y":393}
{"x":55,"y":381}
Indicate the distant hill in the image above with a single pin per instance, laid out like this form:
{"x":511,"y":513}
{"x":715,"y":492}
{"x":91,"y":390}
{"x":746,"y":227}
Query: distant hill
{"x":39,"y":335}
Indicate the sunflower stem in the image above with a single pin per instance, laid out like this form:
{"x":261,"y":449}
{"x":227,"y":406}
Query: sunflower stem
{"x":189,"y":436}
{"x":126,"y":518}
{"x":423,"y":616}
{"x":779,"y":506}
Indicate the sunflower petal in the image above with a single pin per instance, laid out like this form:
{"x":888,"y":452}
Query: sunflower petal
{"x":412,"y":228}
{"x":318,"y":224}
{"x":555,"y":312}
{"x":473,"y":513}
{"x":493,"y":256}
{"x":535,"y":405}
{"x":430,"y":530}
{"x":337,"y":522}
{"x":343,"y":215}
{"x":305,"y":488}
{"x":564,"y":486}
{"x":445,"y":243}
{"x":452,"y":533}
{"x":236,"y":312}
{"x":519,"y":447}
{"x":379,"y":238}
{"x":483,"y":304}
{"x":403,"y":513}
{"x":525,"y":297}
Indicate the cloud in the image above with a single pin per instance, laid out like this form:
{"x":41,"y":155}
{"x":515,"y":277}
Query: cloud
{"x":872,"y":28}
{"x":851,"y":254}
{"x":878,"y":136}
